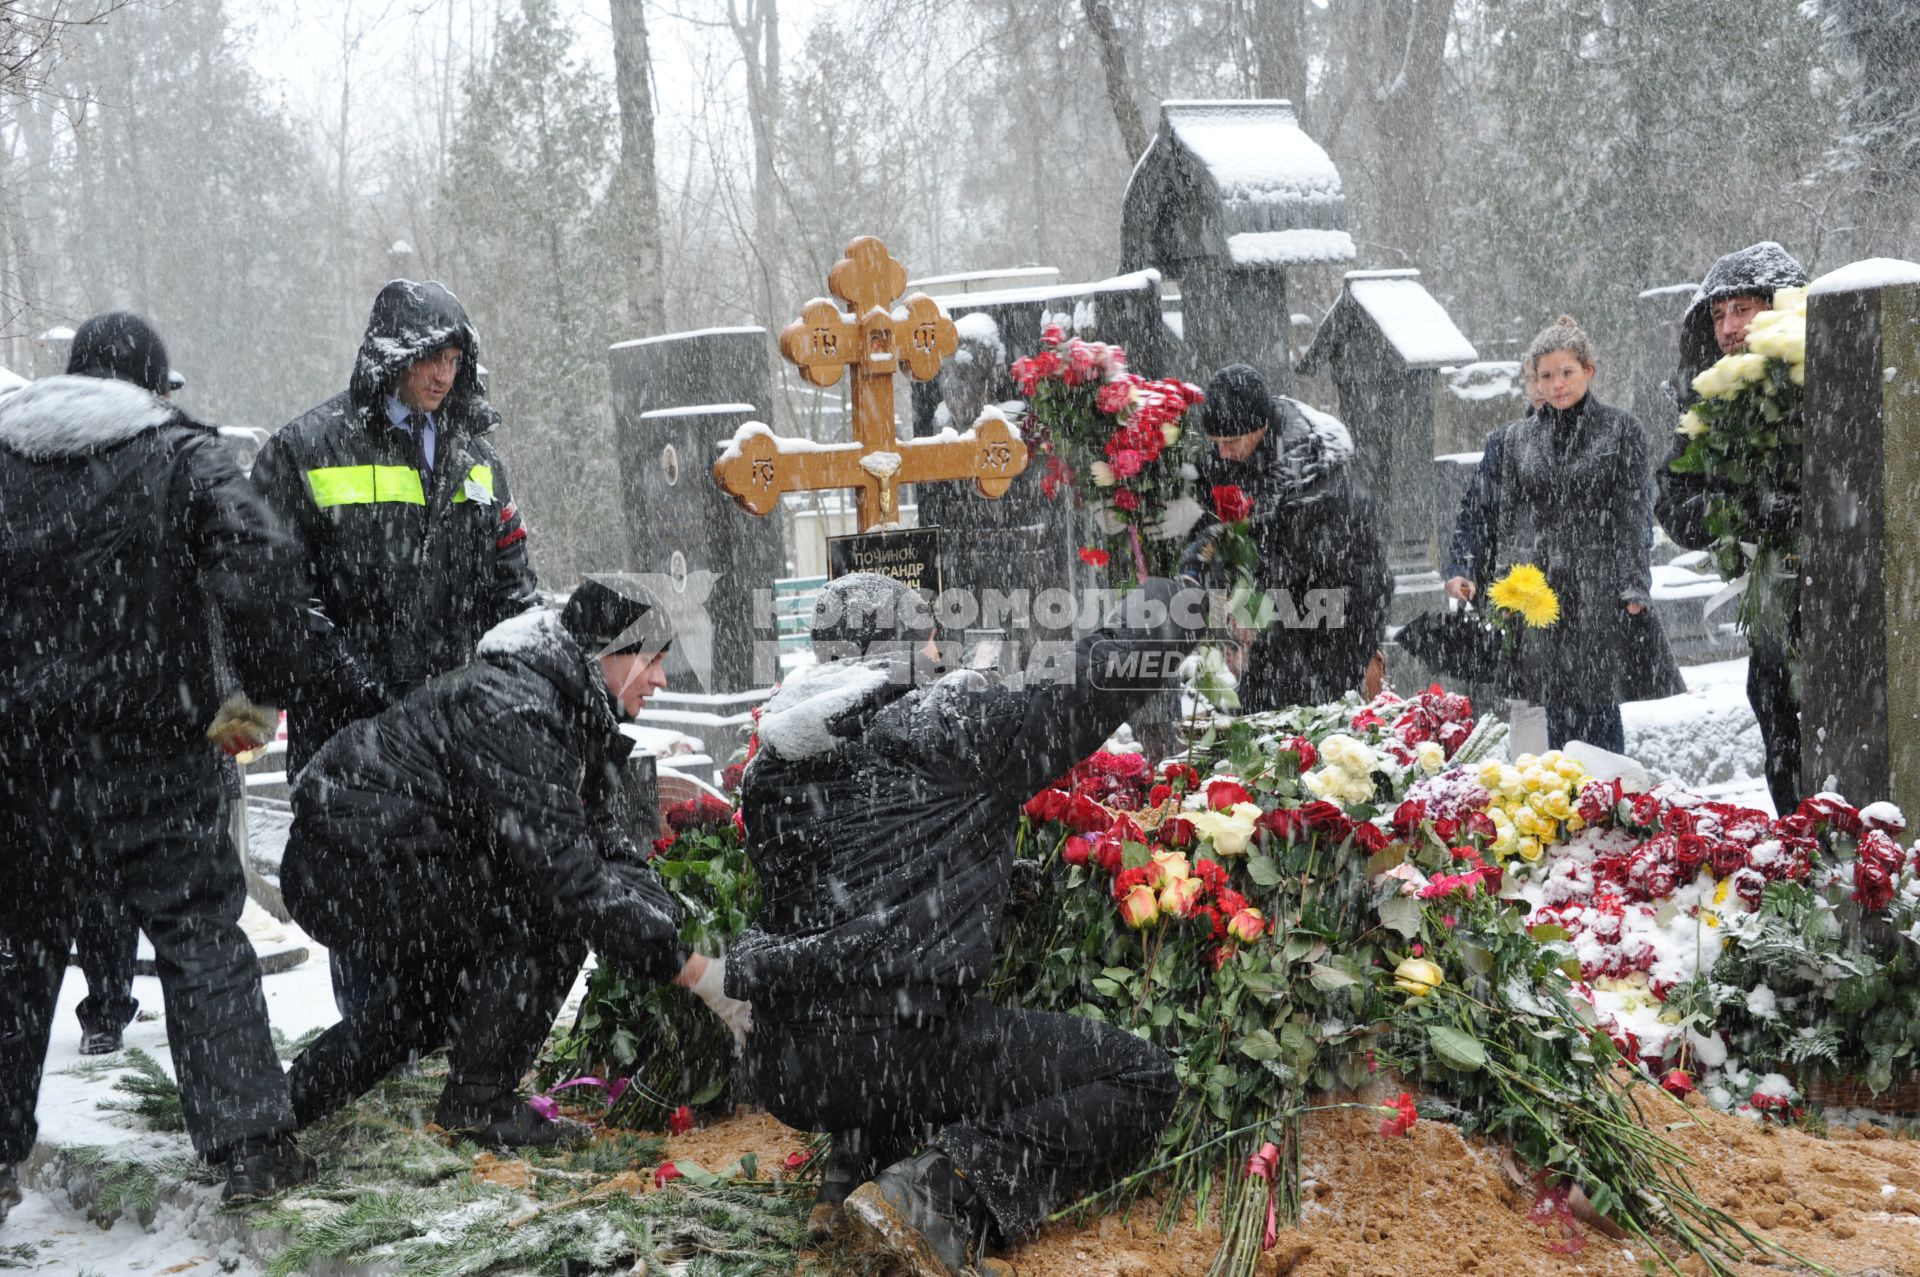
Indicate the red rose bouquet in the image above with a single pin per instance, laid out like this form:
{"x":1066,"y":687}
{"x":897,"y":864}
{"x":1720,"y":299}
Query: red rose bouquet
{"x":1111,"y":437}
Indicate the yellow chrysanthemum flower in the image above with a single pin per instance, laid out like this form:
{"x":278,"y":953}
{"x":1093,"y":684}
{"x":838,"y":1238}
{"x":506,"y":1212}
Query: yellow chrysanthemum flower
{"x":1525,"y":590}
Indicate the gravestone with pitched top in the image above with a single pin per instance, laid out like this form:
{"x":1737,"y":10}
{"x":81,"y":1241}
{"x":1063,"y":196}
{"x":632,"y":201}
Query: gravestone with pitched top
{"x":1229,"y":198}
{"x":1384,"y":341}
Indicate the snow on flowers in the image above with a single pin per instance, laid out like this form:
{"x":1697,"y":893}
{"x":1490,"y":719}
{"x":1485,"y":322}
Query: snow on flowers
{"x":1110,"y":436}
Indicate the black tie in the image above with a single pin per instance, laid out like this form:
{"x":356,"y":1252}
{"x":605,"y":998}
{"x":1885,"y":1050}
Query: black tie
{"x":417,"y":422}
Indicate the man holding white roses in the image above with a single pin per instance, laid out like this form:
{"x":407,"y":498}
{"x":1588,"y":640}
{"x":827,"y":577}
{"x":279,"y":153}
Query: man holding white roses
{"x":1740,"y":286}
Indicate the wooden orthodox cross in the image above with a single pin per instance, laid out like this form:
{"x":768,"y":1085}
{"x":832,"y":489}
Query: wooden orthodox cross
{"x":871,"y":343}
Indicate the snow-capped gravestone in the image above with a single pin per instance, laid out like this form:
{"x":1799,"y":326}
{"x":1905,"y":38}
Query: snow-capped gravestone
{"x":1860,"y":567}
{"x":1384,"y":341}
{"x":1654,"y":398}
{"x":881,"y":335}
{"x":676,"y":400}
{"x":1227,"y":199}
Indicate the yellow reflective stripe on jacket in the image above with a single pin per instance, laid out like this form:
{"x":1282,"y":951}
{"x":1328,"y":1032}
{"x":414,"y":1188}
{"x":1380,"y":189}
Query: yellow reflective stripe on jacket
{"x":365,"y":485}
{"x":482,"y":475}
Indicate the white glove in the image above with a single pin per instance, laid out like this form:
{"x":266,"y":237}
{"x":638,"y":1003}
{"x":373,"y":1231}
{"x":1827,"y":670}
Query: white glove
{"x":1180,"y":516}
{"x":710,"y":988}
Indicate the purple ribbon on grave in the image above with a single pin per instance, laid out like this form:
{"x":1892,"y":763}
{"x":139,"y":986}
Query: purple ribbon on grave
{"x":549,"y":1108}
{"x":1139,"y":556}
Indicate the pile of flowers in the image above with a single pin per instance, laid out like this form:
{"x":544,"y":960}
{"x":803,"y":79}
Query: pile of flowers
{"x":1746,"y":433}
{"x":670,"y":1053}
{"x":1112,"y":438}
{"x":1328,"y":891}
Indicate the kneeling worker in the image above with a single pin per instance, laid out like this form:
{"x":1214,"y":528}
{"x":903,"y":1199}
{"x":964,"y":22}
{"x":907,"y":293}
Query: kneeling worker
{"x":516,"y":754}
{"x":879,"y":819}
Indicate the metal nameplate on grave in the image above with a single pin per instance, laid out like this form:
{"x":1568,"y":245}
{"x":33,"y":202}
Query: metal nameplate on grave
{"x":909,"y":555}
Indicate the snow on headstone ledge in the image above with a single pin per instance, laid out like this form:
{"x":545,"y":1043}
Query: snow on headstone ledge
{"x":1302,"y":246}
{"x":1873,"y":272}
{"x":1487,"y":379}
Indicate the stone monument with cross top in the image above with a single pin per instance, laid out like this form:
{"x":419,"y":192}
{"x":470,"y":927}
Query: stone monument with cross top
{"x":879,"y":334}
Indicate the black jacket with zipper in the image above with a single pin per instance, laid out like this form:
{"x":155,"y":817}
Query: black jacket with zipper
{"x":125,"y":531}
{"x":406,"y":579}
{"x":483,"y":802}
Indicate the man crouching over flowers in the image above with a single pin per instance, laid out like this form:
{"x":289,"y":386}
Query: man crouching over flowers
{"x":878,"y":817}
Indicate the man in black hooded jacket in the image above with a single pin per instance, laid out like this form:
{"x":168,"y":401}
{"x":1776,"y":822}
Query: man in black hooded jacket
{"x":1312,"y":522}
{"x":124,"y":527}
{"x":1740,"y":286}
{"x":400,"y":503}
{"x":878,"y":818}
{"x":461,"y":847}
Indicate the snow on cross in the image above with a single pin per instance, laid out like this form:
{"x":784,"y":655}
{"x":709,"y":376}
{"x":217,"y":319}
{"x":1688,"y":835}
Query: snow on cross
{"x":875,"y":341}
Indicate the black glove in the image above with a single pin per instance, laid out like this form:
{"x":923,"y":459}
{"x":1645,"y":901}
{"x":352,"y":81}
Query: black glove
{"x":1023,"y":883}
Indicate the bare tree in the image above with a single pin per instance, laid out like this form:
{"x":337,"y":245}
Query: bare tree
{"x":637,"y":199}
{"x":1279,"y":52}
{"x":1113,"y":59}
{"x":756,"y":28}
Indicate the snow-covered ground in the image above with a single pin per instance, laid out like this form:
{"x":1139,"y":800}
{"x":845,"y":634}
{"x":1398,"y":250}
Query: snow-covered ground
{"x":66,"y":1243}
{"x":1706,"y":739}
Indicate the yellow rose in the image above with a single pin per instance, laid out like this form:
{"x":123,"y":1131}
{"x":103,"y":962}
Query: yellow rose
{"x":1418,"y":977}
{"x":1797,"y":373}
{"x":1786,"y":300}
{"x":1559,"y":806}
{"x":1103,"y":475}
{"x":1526,"y":762}
{"x":1528,"y":849}
{"x":1431,"y":756}
{"x":1570,"y":768}
{"x":1524,"y":821}
{"x":1489,"y":776}
{"x":1171,"y":433}
{"x":1691,"y":426}
{"x":1547,"y":832}
{"x":1575,"y":824}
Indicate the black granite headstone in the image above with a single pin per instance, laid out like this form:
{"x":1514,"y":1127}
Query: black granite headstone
{"x":677,"y":399}
{"x":1860,"y":569}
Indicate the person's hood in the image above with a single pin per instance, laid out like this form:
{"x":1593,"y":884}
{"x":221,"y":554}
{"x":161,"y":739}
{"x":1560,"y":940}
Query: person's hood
{"x":820,"y":705}
{"x":537,"y":640}
{"x":73,"y":416}
{"x":1759,"y":269}
{"x":412,"y":319}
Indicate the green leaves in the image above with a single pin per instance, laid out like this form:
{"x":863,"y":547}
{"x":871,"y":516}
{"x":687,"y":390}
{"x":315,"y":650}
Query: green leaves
{"x":1456,"y":1048}
{"x":1401,"y":914}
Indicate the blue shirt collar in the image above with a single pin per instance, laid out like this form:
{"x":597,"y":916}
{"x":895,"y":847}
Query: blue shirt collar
{"x":398,"y":412}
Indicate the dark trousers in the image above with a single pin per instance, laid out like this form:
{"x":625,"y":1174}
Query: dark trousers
{"x":1598,"y":725}
{"x":487,"y":991}
{"x":106,"y":941}
{"x":1036,"y":1108}
{"x":151,"y":832}
{"x":1776,"y":704}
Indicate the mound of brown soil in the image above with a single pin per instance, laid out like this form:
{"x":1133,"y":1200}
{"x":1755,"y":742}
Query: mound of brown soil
{"x":1436,"y":1204}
